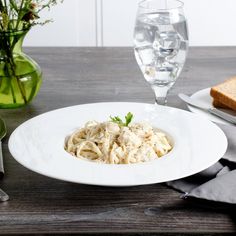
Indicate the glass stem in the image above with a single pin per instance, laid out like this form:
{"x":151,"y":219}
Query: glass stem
{"x":160,"y":94}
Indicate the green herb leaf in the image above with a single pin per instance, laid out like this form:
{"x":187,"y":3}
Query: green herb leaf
{"x":118,"y":120}
{"x":128,"y":118}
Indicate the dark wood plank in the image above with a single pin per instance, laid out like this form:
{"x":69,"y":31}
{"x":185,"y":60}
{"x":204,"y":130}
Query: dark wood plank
{"x":83,"y":75}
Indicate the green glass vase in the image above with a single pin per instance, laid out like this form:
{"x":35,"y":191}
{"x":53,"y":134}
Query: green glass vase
{"x":20,"y":76}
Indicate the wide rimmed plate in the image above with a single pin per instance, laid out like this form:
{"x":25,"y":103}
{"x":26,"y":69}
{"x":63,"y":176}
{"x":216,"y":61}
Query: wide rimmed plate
{"x":204,"y":98}
{"x":38,"y":144}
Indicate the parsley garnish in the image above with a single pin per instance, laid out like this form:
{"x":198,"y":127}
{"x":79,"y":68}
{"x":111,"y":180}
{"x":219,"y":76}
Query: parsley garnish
{"x":118,"y":120}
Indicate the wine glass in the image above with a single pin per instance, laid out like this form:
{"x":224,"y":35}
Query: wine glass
{"x":161,"y":43}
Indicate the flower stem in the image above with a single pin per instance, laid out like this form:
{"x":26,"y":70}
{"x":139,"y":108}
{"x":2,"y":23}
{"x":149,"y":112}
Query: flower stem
{"x":21,"y":89}
{"x":13,"y":93}
{"x":19,"y":14}
{"x":11,"y":64}
{"x":18,"y":82}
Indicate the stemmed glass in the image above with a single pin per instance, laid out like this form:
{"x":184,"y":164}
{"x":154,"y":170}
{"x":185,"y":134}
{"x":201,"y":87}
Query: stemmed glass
{"x":161,"y":43}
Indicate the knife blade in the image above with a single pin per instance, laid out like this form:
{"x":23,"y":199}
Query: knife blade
{"x":212,"y":110}
{"x":3,"y":130}
{"x":3,"y":196}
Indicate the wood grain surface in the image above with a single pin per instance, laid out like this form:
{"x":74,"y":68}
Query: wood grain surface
{"x":41,"y":205}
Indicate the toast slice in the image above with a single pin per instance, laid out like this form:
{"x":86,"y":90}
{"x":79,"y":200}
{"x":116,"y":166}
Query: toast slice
{"x":218,"y":104}
{"x":225,"y":94}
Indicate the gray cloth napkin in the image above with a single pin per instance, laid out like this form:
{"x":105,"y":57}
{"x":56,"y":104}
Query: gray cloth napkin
{"x":218,"y":182}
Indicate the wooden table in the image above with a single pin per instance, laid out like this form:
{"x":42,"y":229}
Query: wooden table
{"x":40,"y":205}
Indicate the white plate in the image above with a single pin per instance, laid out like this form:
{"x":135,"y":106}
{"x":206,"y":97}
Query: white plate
{"x":203,"y":96}
{"x":38,"y":144}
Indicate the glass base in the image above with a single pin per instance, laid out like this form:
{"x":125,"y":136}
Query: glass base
{"x":12,"y":106}
{"x":161,"y":101}
{"x":20,"y":91}
{"x":160,"y":94}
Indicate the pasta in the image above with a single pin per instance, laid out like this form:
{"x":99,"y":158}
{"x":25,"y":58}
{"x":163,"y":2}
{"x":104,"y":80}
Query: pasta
{"x":110,"y":143}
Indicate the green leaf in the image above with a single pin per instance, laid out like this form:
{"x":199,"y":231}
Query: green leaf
{"x":13,"y":5}
{"x":128,"y":118}
{"x":118,"y":120}
{"x":5,"y":20}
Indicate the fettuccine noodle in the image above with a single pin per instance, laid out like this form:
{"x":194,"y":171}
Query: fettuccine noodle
{"x":110,"y":143}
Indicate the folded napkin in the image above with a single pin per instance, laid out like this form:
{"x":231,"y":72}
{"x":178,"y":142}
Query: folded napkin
{"x":218,"y":182}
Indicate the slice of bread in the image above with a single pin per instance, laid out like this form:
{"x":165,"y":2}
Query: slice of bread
{"x":225,"y":94}
{"x":218,"y":104}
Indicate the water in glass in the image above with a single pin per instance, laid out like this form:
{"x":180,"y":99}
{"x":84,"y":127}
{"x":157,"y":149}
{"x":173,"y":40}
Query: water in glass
{"x":160,"y":46}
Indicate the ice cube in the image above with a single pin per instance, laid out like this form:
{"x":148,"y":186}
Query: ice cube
{"x":144,"y":33}
{"x":167,"y":71}
{"x":166,"y":44}
{"x":145,"y":55}
{"x":159,"y":18}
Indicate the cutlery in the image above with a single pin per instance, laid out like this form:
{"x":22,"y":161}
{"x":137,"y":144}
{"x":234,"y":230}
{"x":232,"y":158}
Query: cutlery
{"x":3,"y":131}
{"x":212,"y":110}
